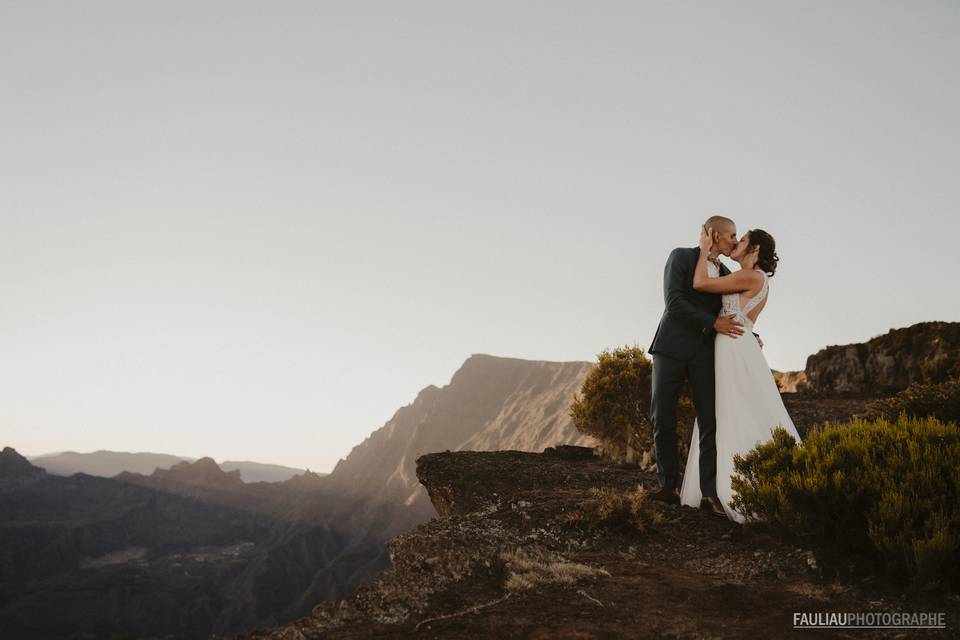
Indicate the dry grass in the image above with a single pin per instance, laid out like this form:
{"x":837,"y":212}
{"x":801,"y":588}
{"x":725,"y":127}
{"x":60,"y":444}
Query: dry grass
{"x":632,"y":509}
{"x":527,"y":571}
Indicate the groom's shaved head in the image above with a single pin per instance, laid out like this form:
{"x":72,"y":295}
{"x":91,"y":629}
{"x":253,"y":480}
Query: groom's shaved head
{"x":724,"y":234}
{"x":719,"y":223}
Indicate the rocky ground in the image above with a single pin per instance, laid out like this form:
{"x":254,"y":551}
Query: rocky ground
{"x":508,"y":558}
{"x":809,"y":409}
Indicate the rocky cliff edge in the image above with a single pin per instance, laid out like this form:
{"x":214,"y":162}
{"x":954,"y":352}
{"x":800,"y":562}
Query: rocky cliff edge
{"x":507,"y":557}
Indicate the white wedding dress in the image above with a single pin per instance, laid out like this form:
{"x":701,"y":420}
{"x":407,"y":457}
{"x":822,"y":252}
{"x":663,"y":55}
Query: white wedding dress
{"x":748,"y":403}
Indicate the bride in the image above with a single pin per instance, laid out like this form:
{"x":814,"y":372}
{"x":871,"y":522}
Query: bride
{"x":748,"y":403}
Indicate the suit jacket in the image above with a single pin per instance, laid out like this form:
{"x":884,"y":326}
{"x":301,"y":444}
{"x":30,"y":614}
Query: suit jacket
{"x":687,"y":320}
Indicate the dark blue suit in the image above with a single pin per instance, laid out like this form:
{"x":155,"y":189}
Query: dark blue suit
{"x":682,"y":349}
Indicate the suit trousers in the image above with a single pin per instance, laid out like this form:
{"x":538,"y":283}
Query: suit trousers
{"x":668,"y":377}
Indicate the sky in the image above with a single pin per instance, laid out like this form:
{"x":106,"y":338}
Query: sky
{"x":254,"y":230}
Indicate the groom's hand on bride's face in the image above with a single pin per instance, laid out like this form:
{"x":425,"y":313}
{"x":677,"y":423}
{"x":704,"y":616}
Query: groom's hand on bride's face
{"x":728,"y":326}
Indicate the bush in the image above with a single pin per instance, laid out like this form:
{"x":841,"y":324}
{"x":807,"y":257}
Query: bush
{"x":891,"y":489}
{"x":614,"y":407}
{"x":941,"y":401}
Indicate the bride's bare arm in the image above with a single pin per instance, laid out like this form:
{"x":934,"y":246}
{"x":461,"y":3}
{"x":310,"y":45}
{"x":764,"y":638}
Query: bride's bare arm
{"x":742,"y":280}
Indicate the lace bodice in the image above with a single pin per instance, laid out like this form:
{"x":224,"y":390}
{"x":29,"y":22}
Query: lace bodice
{"x":731,"y":301}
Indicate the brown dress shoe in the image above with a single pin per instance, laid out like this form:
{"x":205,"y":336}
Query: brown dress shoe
{"x":712,"y":504}
{"x":670,"y":496}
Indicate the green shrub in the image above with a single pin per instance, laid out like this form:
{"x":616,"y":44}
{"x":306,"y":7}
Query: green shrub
{"x":941,"y":401}
{"x":889,"y":488}
{"x":613,"y":406}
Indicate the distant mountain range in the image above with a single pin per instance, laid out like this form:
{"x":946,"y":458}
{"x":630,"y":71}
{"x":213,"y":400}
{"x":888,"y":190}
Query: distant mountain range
{"x":107,"y":464}
{"x":186,"y":548}
{"x":180,"y":553}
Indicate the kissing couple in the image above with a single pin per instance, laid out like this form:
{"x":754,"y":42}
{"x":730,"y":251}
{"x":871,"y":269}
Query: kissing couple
{"x":702,"y":338}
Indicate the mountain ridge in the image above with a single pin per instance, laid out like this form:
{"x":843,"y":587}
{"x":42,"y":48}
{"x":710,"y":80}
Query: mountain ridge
{"x":490,"y":402}
{"x":888,"y":363}
{"x":107,"y":463}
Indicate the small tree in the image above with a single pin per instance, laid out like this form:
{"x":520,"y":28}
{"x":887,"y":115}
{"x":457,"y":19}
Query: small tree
{"x":614,"y":407}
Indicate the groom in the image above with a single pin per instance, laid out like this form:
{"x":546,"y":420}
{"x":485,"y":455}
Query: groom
{"x":682,"y":349}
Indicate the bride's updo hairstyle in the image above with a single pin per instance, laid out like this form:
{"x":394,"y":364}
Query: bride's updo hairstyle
{"x":767,"y":258}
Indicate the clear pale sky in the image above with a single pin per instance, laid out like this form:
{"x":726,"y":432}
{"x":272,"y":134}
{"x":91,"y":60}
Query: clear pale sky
{"x":255,"y":230}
